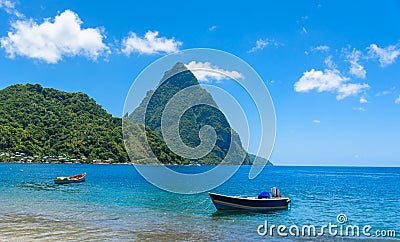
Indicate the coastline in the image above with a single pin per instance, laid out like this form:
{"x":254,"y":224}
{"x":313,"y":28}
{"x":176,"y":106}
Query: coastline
{"x":189,"y":165}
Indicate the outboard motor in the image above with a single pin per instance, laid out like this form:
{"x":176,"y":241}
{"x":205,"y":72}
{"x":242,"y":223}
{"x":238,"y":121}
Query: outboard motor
{"x":274,"y":191}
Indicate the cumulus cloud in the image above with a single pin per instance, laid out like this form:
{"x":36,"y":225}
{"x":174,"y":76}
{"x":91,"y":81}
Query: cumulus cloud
{"x":262,"y":43}
{"x":51,"y":40}
{"x":397,"y":101}
{"x":323,"y":48}
{"x":316,"y":121}
{"x":149,"y":44}
{"x":207,"y":72}
{"x":356,"y":69}
{"x":328,"y":81}
{"x":386,"y":56}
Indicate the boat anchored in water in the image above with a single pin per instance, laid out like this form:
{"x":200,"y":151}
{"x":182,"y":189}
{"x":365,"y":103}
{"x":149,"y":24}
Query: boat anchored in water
{"x":264,"y":202}
{"x":70,"y":179}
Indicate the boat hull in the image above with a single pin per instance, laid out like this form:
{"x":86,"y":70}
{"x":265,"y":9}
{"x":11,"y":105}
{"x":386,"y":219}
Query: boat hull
{"x":72,"y":179}
{"x":223,"y":202}
{"x":68,"y":181}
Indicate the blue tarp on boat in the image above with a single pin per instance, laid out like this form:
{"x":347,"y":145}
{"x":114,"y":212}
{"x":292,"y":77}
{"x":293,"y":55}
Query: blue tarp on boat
{"x":264,"y":195}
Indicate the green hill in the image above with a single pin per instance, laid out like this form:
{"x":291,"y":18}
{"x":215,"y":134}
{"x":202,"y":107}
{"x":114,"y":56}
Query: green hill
{"x":44,"y":121}
{"x":175,"y":80}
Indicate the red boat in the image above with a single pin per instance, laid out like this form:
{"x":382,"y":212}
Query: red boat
{"x":70,"y":179}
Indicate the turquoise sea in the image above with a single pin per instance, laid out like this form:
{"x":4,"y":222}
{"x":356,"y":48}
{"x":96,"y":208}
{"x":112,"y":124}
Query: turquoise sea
{"x":117,"y":204}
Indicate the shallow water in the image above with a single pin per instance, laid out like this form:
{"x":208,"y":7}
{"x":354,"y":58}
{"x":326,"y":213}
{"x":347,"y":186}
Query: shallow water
{"x":116,"y":203}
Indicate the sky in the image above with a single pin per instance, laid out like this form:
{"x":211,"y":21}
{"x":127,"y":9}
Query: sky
{"x":332,"y":68}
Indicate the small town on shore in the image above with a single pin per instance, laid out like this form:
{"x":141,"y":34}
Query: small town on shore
{"x":20,"y":157}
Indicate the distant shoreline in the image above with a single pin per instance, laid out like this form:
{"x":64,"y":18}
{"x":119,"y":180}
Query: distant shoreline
{"x":316,"y":166}
{"x":115,"y":163}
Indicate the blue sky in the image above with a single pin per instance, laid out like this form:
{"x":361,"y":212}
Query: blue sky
{"x":332,"y":68}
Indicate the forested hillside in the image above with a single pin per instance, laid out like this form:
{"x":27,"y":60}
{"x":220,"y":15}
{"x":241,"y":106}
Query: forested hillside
{"x":44,"y":121}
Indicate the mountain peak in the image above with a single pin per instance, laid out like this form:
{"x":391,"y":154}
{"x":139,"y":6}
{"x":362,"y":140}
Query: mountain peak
{"x":179,"y":67}
{"x":175,"y":80}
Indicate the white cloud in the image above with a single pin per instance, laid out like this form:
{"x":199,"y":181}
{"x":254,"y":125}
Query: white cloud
{"x":322,"y":48}
{"x":386,"y":56}
{"x":304,"y":30}
{"x":328,"y":61}
{"x":51,"y":40}
{"x":397,"y":101}
{"x":356,"y":68}
{"x":363,"y":100}
{"x":316,"y":121}
{"x":206,"y":72}
{"x":350,"y":89}
{"x":149,"y":44}
{"x":9,"y":7}
{"x":212,"y":28}
{"x":262,"y":43}
{"x":328,"y":81}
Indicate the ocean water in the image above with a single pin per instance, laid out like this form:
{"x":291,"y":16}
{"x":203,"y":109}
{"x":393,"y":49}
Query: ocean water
{"x":117,"y":204}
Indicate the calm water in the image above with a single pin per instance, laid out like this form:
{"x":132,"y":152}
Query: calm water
{"x":116,"y":203}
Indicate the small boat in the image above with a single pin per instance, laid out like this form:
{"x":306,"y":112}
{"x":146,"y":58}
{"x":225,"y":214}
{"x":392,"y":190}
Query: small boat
{"x":70,"y":179}
{"x":224,"y":202}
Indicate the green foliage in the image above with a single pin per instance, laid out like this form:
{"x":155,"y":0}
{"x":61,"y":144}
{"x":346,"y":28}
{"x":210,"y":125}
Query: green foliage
{"x":144,"y":145}
{"x":44,"y":121}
